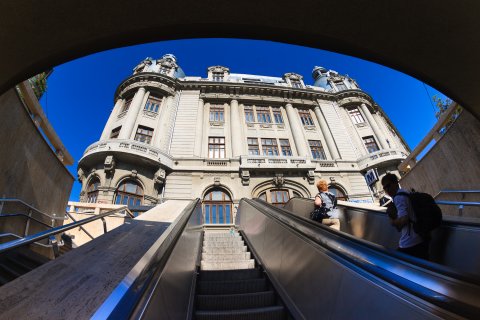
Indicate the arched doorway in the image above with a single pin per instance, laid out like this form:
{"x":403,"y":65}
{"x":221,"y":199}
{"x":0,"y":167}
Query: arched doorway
{"x":217,"y":207}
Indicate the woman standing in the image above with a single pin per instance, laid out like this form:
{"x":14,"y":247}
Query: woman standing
{"x":327,"y":199}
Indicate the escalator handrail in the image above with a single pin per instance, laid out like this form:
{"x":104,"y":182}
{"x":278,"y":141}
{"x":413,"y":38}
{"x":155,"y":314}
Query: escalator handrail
{"x":53,"y":231}
{"x":131,"y":297}
{"x":375,"y":260}
{"x":30,"y":207}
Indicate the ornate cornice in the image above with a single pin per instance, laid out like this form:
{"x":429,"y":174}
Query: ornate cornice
{"x":149,"y":80}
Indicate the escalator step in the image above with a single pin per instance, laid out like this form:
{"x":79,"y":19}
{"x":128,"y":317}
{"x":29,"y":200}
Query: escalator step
{"x":267,"y":313}
{"x":236,"y":301}
{"x":12,"y":269}
{"x":240,"y":274}
{"x":232,"y":286}
{"x":18,"y":265}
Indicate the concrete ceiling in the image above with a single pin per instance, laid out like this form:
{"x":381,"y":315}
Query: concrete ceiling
{"x":436,"y":41}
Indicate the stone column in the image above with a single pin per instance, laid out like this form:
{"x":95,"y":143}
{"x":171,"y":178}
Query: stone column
{"x":296,"y":129}
{"x":108,"y":127}
{"x":236,"y":130}
{"x":162,"y":136}
{"x":129,"y":123}
{"x":327,"y":134}
{"x":199,"y":129}
{"x":373,"y":124}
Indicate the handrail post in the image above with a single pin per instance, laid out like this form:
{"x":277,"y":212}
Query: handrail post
{"x":27,"y":224}
{"x":460,"y":210}
{"x":53,"y":241}
{"x":104,"y":225}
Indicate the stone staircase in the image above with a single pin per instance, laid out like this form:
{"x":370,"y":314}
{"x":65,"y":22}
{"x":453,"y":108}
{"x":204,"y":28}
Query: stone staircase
{"x":229,"y":284}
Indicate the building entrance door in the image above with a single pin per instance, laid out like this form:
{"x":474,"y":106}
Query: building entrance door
{"x":217,"y":207}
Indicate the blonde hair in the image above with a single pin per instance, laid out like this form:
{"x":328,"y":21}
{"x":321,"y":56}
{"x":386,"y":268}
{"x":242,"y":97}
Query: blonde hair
{"x":322,"y":185}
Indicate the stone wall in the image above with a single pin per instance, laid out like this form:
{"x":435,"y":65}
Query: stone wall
{"x":451,"y":164}
{"x":29,"y":169}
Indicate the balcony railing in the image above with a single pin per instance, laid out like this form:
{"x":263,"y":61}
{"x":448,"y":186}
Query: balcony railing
{"x":275,"y":162}
{"x":380,"y":156}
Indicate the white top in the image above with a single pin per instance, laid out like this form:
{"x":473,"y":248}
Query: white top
{"x":333,"y":213}
{"x":408,"y":237}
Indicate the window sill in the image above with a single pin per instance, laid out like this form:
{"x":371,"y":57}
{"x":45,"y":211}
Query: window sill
{"x":361,"y":125}
{"x":150,"y":114}
{"x":216,"y":124}
{"x":310,"y":128}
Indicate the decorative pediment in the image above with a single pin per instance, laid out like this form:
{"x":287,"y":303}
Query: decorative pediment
{"x":218,"y":69}
{"x":279,"y":180}
{"x":293,"y":76}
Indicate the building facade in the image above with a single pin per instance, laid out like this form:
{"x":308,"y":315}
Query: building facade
{"x":229,"y":136}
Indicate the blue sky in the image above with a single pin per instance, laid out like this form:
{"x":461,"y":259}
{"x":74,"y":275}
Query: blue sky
{"x":79,"y":98}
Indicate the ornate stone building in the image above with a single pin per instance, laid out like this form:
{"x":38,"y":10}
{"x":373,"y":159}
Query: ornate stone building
{"x":229,"y":136}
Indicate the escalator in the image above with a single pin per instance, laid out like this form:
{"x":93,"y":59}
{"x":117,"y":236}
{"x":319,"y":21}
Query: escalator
{"x":18,"y":262}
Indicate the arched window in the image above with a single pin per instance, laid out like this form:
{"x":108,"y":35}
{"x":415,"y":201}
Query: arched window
{"x":263,"y":196}
{"x":129,"y":193}
{"x":338,"y":193}
{"x":278,"y":197}
{"x":92,"y":190}
{"x":217,"y":207}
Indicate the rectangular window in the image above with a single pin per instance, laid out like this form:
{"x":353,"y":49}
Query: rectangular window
{"x":144,"y":134}
{"x":355,"y":115}
{"x":126,"y":106}
{"x":317,"y":149}
{"x":263,"y":115}
{"x":216,"y":113}
{"x":306,"y":117}
{"x":216,"y":147}
{"x":277,"y":115}
{"x":164,"y":70}
{"x":253,"y":146}
{"x":279,"y":197}
{"x":216,"y":76}
{"x":370,"y":144}
{"x":340,"y":85}
{"x":153,"y":104}
{"x":249,"y":118}
{"x":115,"y":133}
{"x":269,"y":147}
{"x":285,"y":146}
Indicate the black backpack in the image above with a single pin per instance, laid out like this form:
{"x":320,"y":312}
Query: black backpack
{"x":428,"y":215}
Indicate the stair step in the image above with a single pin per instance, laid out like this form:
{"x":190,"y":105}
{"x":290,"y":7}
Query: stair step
{"x":232,"y":286}
{"x":225,"y":256}
{"x":9,"y":271}
{"x":223,"y":244}
{"x":265,"y":313}
{"x":224,"y":249}
{"x":235,"y":301}
{"x":223,"y":240}
{"x":222,"y":275}
{"x":20,"y":265}
{"x":221,"y":235}
{"x":227,"y":265}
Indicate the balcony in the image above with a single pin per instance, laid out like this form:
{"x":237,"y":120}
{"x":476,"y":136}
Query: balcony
{"x":129,"y":146}
{"x":380,"y":156}
{"x":264,"y":162}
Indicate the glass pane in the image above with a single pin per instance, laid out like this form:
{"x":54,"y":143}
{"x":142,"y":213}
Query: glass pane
{"x":217,"y":195}
{"x":220,"y":214}
{"x":207,"y":213}
{"x":125,"y":200}
{"x":137,"y":203}
{"x":131,"y":202}
{"x":214,"y":213}
{"x":227,"y":214}
{"x":130,"y":187}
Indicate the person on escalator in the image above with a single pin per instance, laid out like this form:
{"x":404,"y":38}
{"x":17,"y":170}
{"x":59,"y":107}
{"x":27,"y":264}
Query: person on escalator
{"x":410,"y":242}
{"x":326,"y":199}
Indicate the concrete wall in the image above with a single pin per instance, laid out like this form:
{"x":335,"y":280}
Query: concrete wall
{"x":452,"y":163}
{"x":29,"y":169}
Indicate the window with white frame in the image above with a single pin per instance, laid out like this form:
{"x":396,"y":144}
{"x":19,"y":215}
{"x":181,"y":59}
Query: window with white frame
{"x":285,"y":146}
{"x":126,"y":106}
{"x":340,"y":85}
{"x":115,"y":133}
{"x":153,"y":104}
{"x":356,"y":115}
{"x":144,"y":134}
{"x":263,"y":115}
{"x":249,"y":117}
{"x":269,"y":147}
{"x":370,"y":144}
{"x":277,"y":115}
{"x":306,"y":117}
{"x":317,"y":149}
{"x":296,"y":83}
{"x":216,"y":147}
{"x":253,"y":148}
{"x":217,"y":76}
{"x":217,"y":113}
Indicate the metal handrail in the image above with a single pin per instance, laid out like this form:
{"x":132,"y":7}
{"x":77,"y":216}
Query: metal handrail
{"x":53,"y":231}
{"x":81,"y":228}
{"x":26,"y":216}
{"x":30,"y":207}
{"x":455,"y":191}
{"x":20,"y":237}
{"x":458,"y":203}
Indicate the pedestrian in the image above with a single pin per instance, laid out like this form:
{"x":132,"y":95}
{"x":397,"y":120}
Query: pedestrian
{"x":410,"y":242}
{"x":326,"y":199}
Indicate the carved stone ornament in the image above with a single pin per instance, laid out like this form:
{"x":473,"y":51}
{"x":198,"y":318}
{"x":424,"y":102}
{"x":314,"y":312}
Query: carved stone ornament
{"x":167,"y":61}
{"x":109,"y":164}
{"x":337,"y":78}
{"x":159,"y":177}
{"x":293,"y":76}
{"x":216,"y":181}
{"x":278,"y":180}
{"x":80,"y":174}
{"x":245,"y":175}
{"x":134,"y":174}
{"x":218,"y":69}
{"x":311,"y":177}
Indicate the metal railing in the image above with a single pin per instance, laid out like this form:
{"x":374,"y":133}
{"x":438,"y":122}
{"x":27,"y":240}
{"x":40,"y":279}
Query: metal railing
{"x":461,"y":204}
{"x":52,"y":232}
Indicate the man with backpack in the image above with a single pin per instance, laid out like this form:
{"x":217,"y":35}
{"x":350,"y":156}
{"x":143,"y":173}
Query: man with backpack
{"x":410,"y":242}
